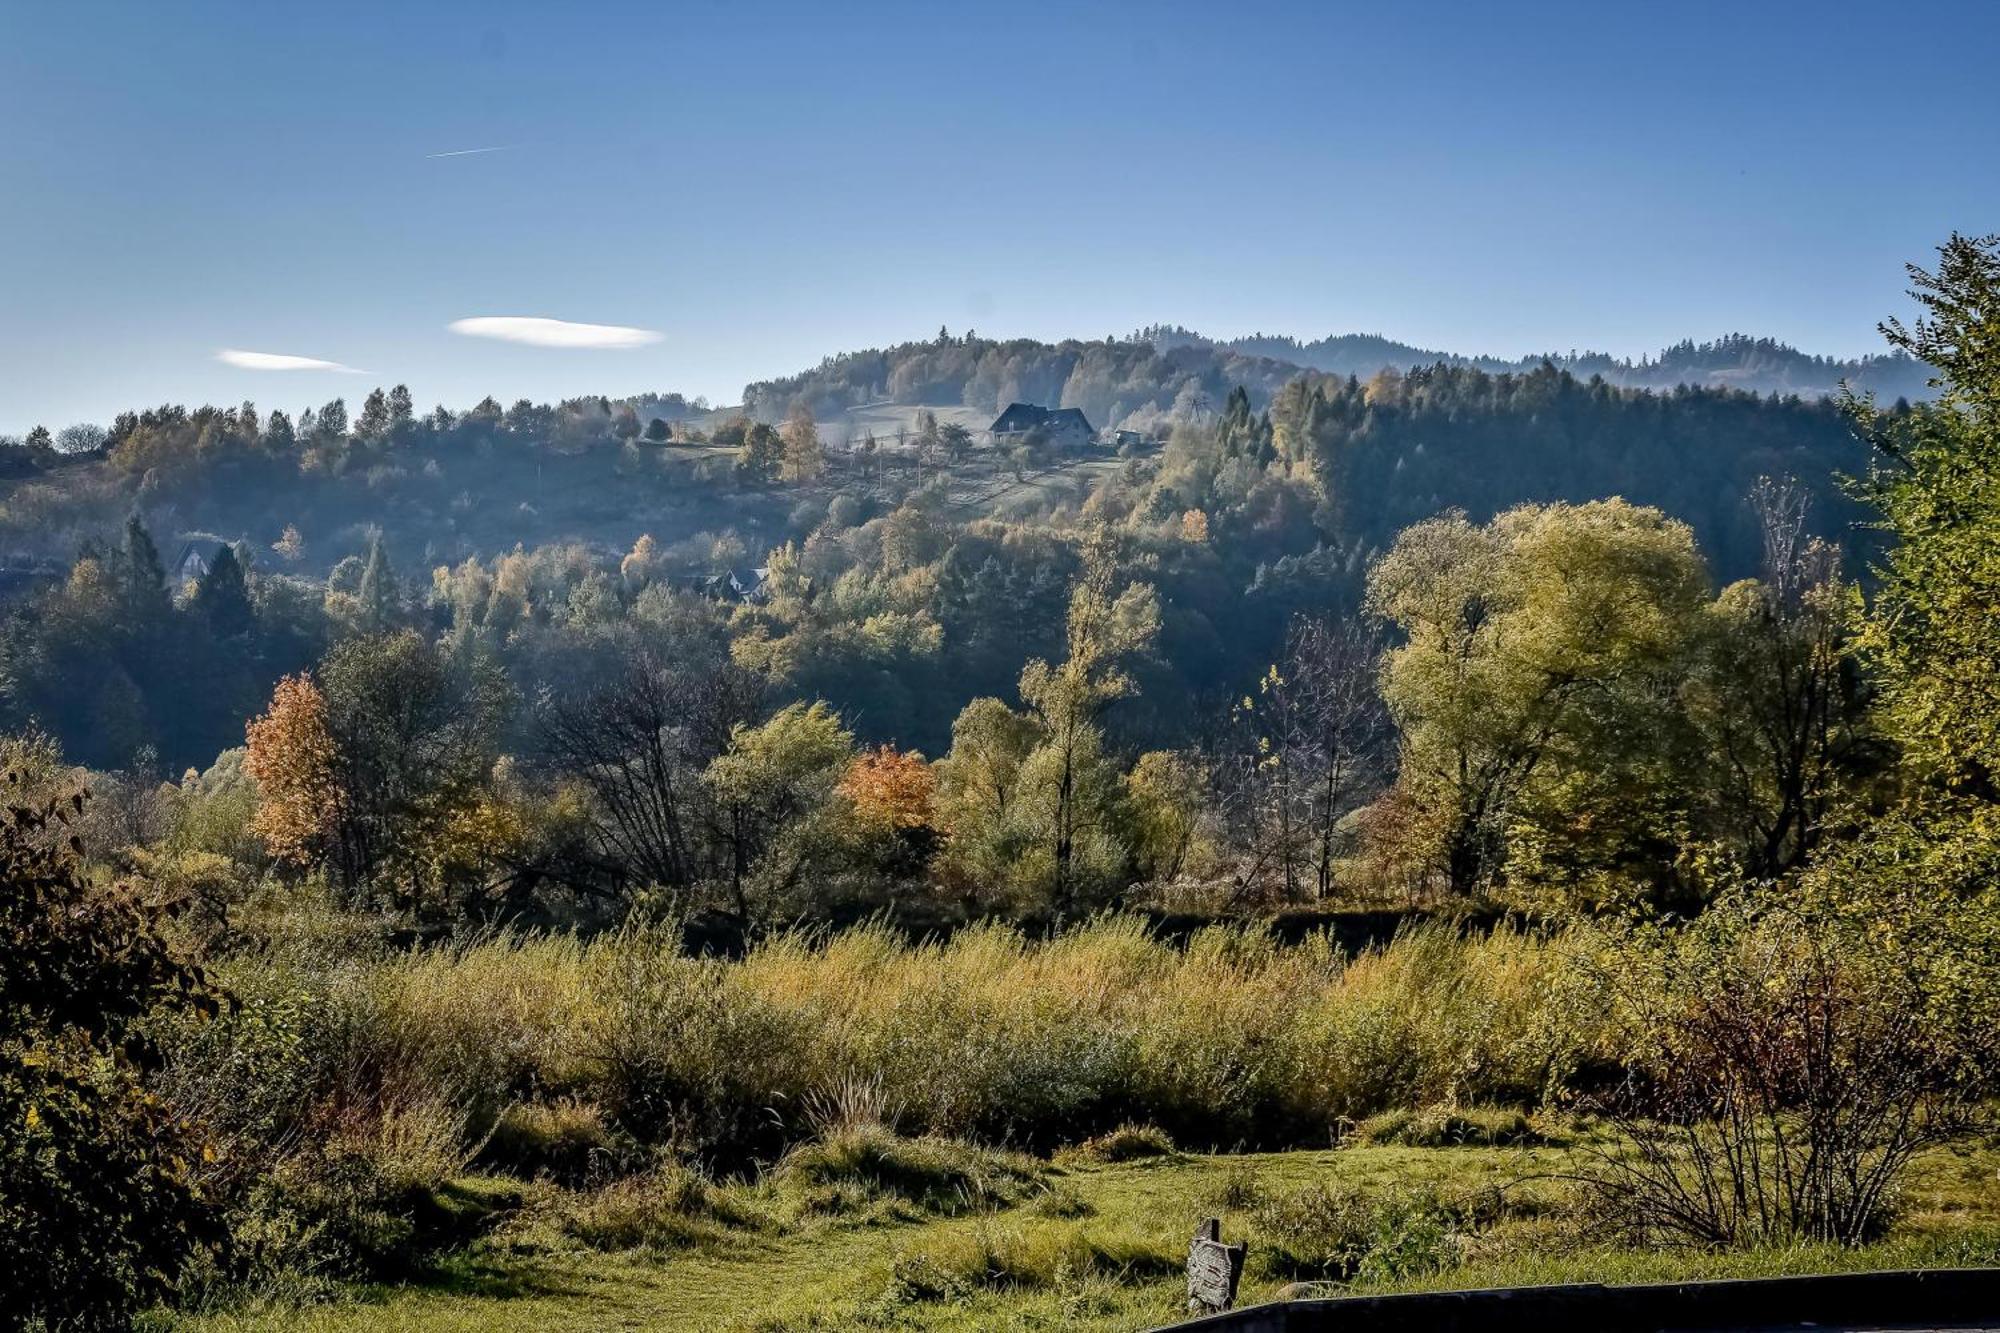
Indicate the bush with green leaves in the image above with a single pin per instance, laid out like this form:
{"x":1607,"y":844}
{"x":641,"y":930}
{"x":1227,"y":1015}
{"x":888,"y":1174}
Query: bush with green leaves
{"x":1789,"y":1058}
{"x":1336,"y":1232}
{"x":100,"y":1203}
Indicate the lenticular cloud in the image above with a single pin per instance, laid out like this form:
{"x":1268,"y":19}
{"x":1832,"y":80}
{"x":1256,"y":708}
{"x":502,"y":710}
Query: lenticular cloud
{"x":553,"y":332}
{"x":243,"y":360}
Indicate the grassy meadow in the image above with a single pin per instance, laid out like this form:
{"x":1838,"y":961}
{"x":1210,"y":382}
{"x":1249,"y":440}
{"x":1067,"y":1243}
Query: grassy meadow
{"x":1083,"y":1244}
{"x":852,"y":1130}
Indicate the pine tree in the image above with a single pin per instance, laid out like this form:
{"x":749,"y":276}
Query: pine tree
{"x":373,"y":423}
{"x":377,"y":595}
{"x":223,"y":597}
{"x":333,"y":419}
{"x":402,"y":410}
{"x":142,"y":578}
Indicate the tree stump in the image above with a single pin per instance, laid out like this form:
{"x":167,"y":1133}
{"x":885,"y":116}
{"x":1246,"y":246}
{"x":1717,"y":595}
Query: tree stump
{"x":1213,"y":1270}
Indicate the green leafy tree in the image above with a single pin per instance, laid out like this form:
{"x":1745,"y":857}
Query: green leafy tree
{"x":100,"y":1206}
{"x":1536,"y":689}
{"x":772,"y":789}
{"x":1779,"y":703}
{"x":804,"y":455}
{"x":956,"y":441}
{"x":1933,"y":635}
{"x":1107,"y":624}
{"x":977,"y":786}
{"x":414,"y":737}
{"x":763,"y":454}
{"x":1169,"y":815}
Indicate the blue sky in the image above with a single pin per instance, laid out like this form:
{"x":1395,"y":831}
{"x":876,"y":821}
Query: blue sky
{"x":763,"y":184}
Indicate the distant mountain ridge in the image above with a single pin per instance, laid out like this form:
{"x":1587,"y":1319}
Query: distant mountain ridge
{"x":1734,"y":361}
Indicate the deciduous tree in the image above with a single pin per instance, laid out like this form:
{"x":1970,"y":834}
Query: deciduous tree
{"x":292,"y":756}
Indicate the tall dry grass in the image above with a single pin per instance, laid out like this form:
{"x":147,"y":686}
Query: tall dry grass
{"x":1231,"y":1038}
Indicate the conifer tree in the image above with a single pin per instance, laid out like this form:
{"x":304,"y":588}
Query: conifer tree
{"x":223,"y":597}
{"x":142,"y":578}
{"x":373,"y":423}
{"x":380,"y":602}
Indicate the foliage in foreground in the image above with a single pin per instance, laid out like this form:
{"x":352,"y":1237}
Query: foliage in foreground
{"x":1785,"y":1070}
{"x":100,"y":1206}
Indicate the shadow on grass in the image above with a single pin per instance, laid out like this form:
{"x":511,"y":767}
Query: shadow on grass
{"x":492,"y":1279}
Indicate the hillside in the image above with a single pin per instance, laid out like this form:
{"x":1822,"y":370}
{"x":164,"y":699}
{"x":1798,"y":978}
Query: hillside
{"x":918,"y":580}
{"x":1164,"y":374}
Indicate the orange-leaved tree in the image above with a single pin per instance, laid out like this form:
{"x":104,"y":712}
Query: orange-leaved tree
{"x":891,"y":789}
{"x":293,"y":757}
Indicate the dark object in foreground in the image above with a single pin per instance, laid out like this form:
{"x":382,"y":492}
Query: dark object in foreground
{"x":1962,"y":1298}
{"x":1213,"y":1269}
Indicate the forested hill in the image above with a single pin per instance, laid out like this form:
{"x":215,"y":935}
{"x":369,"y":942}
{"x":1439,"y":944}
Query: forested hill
{"x":1117,"y":382}
{"x":1735,"y":361}
{"x":912,"y":579}
{"x":1167,"y":373}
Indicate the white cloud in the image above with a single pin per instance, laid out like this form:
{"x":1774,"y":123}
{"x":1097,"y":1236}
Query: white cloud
{"x":553,"y":332}
{"x":279,"y":361}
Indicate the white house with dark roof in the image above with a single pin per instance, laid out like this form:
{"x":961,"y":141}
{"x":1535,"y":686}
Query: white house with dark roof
{"x":1062,"y":427}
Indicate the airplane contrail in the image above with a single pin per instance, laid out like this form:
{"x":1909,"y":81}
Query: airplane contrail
{"x":467,"y":152}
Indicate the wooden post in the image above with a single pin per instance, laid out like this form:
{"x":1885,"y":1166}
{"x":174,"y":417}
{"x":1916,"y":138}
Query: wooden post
{"x":1213,"y":1270}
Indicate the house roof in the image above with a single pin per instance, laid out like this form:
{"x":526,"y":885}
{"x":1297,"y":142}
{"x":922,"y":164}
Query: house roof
{"x":204,"y":548}
{"x":1028,"y":416}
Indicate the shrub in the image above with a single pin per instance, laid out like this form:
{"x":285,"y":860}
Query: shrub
{"x":1786,"y":1070}
{"x":1442,"y":1127}
{"x":369,"y":1200}
{"x":1035,"y":1255}
{"x":100,"y":1208}
{"x":936,"y":1175}
{"x":668,"y":1206}
{"x":1336,"y":1232}
{"x":565,"y":1140}
{"x":1127,"y":1143}
{"x":1059,"y":1200}
{"x":1240,"y":1187}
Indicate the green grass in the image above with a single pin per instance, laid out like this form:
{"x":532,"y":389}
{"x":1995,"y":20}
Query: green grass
{"x":1087,"y":1246}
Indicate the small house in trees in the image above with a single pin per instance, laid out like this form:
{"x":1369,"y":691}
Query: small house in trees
{"x":733,"y":585}
{"x":1060,"y":427}
{"x":197,"y":557}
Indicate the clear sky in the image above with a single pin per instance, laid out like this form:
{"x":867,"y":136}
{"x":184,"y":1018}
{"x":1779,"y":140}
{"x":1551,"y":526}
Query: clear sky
{"x":764,"y":184}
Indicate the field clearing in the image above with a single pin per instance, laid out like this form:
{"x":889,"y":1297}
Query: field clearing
{"x":885,"y":419}
{"x":830,"y":1274}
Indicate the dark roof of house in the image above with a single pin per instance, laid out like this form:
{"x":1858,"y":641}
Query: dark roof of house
{"x":207,"y":548}
{"x":1027,"y":416}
